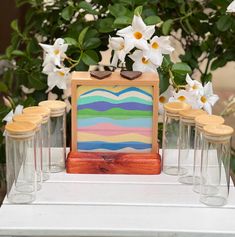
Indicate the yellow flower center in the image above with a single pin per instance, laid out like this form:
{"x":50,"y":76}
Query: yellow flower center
{"x":181,"y":98}
{"x":138,"y":35}
{"x":162,"y":99}
{"x":203,"y":99}
{"x":56,"y":51}
{"x":195,"y":87}
{"x":155,"y":45}
{"x":144,"y":60}
{"x":61,"y":74}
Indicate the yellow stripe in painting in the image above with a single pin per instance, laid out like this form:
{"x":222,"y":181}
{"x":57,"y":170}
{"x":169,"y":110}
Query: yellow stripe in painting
{"x":133,"y":137}
{"x":83,"y":89}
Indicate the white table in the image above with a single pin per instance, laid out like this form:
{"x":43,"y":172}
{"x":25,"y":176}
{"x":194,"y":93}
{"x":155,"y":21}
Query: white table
{"x":117,"y":205}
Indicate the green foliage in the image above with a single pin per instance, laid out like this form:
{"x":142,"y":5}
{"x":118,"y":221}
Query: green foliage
{"x":206,"y":36}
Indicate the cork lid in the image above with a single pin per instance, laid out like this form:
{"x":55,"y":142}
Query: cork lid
{"x":36,"y":119}
{"x":206,"y":119}
{"x":57,"y":107}
{"x":191,"y":114}
{"x":20,"y":129}
{"x":175,"y":107}
{"x":38,"y":110}
{"x":218,"y":130}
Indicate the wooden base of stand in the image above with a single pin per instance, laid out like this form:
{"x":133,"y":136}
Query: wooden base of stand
{"x":113,"y":163}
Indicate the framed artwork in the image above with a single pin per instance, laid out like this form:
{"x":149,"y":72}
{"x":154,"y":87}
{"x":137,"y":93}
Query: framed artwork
{"x":114,"y":115}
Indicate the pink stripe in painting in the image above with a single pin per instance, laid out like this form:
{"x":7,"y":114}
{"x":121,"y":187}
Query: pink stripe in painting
{"x":110,"y":129}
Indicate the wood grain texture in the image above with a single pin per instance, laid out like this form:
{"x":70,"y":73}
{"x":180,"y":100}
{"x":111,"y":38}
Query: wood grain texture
{"x":113,"y":163}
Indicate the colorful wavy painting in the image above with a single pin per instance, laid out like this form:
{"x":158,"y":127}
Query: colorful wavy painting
{"x":114,"y":118}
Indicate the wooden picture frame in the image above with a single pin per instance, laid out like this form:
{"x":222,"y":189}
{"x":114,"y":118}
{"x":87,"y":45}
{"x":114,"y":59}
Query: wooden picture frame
{"x":79,"y":156}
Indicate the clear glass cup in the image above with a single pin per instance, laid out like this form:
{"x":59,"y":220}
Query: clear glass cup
{"x":37,"y":120}
{"x":201,"y":121}
{"x":21,"y":162}
{"x":215,"y":166}
{"x":170,"y":140}
{"x":186,"y":144}
{"x":57,"y":133}
{"x":45,"y":137}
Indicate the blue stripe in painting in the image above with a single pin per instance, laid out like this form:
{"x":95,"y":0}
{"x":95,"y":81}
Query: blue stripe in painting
{"x":103,"y":106}
{"x":112,"y":146}
{"x":120,"y":92}
{"x":142,"y":122}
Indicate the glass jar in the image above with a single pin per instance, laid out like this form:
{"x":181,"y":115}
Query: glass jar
{"x":20,"y":162}
{"x":170,"y":140}
{"x":215,"y":167}
{"x":186,"y":144}
{"x":37,"y":120}
{"x":201,"y":121}
{"x":58,"y":133}
{"x":45,"y":135}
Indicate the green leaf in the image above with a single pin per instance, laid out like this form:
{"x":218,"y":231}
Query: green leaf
{"x":181,"y":68}
{"x":105,"y":25}
{"x":37,"y":80}
{"x":67,"y":13}
{"x":119,"y":10}
{"x":70,"y":41}
{"x":33,"y":47}
{"x":82,"y":35}
{"x":92,"y":43}
{"x":138,"y":11}
{"x":18,"y":53}
{"x":14,"y":25}
{"x":123,"y":20}
{"x":164,"y":80}
{"x":152,"y":20}
{"x":206,"y":78}
{"x":219,"y":62}
{"x":8,"y":51}
{"x":166,"y":27}
{"x":3,"y":87}
{"x":90,"y":57}
{"x":224,"y":23}
{"x":87,"y":7}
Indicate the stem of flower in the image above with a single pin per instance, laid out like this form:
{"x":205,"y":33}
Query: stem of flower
{"x":77,"y":61}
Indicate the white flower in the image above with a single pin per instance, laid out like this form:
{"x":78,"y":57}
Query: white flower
{"x":7,"y":101}
{"x":54,"y":53}
{"x":194,"y":85}
{"x":120,"y":49}
{"x":207,"y":99}
{"x":231,"y":7}
{"x":161,"y":44}
{"x":27,"y":90}
{"x":58,"y":78}
{"x":155,"y":56}
{"x":141,"y":63}
{"x":9,"y":117}
{"x":48,"y":68}
{"x":163,"y":98}
{"x":186,"y":97}
{"x":137,"y":34}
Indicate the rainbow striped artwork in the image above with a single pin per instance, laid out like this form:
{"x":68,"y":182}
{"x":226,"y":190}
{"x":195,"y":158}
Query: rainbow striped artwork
{"x":114,"y":118}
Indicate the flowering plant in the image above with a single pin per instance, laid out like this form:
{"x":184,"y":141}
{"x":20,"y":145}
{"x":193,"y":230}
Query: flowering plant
{"x":197,"y":27}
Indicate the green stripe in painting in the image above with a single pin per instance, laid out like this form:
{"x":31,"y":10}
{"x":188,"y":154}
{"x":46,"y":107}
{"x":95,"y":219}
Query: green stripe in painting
{"x":114,"y":113}
{"x":92,"y":99}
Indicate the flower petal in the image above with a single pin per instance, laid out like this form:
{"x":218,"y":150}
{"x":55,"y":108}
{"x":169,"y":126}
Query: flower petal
{"x":207,"y":107}
{"x":125,"y":31}
{"x":138,"y":24}
{"x":213,"y":99}
{"x":149,"y":32}
{"x":231,"y":7}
